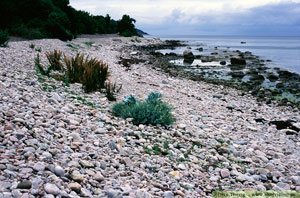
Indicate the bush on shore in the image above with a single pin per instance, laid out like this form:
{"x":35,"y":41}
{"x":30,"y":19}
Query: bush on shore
{"x":95,"y":74}
{"x":3,"y":38}
{"x":153,"y":111}
{"x":90,"y":72}
{"x":111,"y":89}
{"x":54,"y":59}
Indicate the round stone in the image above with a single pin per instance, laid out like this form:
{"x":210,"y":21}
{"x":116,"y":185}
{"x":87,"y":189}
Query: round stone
{"x":75,"y":187}
{"x":59,"y":171}
{"x":51,"y":189}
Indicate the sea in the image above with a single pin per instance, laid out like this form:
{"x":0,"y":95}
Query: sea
{"x":283,"y":51}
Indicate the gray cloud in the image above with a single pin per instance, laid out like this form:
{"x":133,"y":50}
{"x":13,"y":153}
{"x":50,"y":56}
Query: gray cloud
{"x":217,"y":17}
{"x":272,"y":19}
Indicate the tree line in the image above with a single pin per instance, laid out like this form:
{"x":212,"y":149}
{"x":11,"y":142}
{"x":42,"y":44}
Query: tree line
{"x":36,"y":19}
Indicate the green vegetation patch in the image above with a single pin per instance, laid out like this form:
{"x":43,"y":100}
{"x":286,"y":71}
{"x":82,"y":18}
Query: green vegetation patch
{"x":152,"y":111}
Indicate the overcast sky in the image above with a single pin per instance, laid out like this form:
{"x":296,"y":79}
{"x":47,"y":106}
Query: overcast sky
{"x":203,"y":17}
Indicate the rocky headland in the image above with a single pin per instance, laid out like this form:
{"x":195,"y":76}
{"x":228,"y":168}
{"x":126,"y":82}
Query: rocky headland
{"x":57,"y":141}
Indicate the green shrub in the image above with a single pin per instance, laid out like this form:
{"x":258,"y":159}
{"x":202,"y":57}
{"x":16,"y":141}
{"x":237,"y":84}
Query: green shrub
{"x":23,"y":31}
{"x":38,"y":66}
{"x":75,"y":68}
{"x":95,"y":75}
{"x":153,"y":111}
{"x":89,"y":72}
{"x":32,"y":46}
{"x":111,"y":90}
{"x":127,"y":33}
{"x":54,"y":59}
{"x":3,"y":38}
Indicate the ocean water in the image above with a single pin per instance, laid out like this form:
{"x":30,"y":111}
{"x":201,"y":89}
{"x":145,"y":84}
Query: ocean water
{"x":283,"y":51}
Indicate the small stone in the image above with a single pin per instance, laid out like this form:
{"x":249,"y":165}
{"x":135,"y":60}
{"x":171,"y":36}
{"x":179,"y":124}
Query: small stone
{"x":86,"y":164}
{"x":180,"y":193}
{"x":8,"y":127}
{"x":214,"y":178}
{"x":74,"y":122}
{"x":59,"y":171}
{"x":128,"y":162}
{"x":86,"y":193}
{"x":112,"y":145}
{"x":168,"y":194}
{"x":19,"y":120}
{"x":57,"y":97}
{"x":16,"y":193}
{"x":181,"y":166}
{"x":241,"y":178}
{"x":283,"y":185}
{"x":261,"y":188}
{"x":47,"y":155}
{"x":36,"y":183}
{"x":76,"y":176}
{"x":175,"y":174}
{"x":51,"y":189}
{"x":181,"y":126}
{"x":113,"y":194}
{"x":103,"y":165}
{"x":75,"y":187}
{"x":263,"y":178}
{"x":49,"y":196}
{"x":40,"y":166}
{"x":26,"y":184}
{"x":222,"y":150}
{"x":100,"y":131}
{"x":26,"y":170}
{"x":142,"y":193}
{"x":224,"y":173}
{"x":98,"y":177}
{"x":5,"y":185}
{"x":296,"y":180}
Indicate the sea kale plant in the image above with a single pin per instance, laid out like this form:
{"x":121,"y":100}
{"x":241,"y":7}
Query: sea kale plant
{"x":152,"y":111}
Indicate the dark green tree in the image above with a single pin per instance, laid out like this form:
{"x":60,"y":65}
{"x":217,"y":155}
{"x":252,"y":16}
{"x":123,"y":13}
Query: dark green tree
{"x":34,"y":19}
{"x":126,"y":26}
{"x":58,"y":25}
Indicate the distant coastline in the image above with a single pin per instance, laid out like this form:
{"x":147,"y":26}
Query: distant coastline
{"x":261,"y":75}
{"x":282,"y":50}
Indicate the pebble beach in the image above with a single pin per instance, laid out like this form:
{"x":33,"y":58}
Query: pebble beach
{"x":57,"y":141}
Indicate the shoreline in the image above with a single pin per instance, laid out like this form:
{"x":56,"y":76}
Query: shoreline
{"x":267,"y":83}
{"x":223,"y":139}
{"x":268,"y":48}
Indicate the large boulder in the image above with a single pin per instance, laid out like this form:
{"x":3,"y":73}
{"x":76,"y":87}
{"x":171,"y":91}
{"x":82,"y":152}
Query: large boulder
{"x":257,"y":78}
{"x":237,"y":74}
{"x":235,"y":60}
{"x":188,"y":56}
